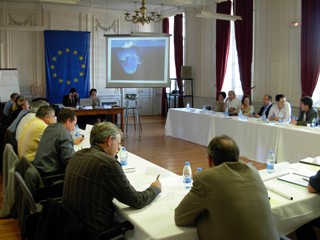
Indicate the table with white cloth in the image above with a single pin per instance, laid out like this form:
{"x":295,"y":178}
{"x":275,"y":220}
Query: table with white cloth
{"x":156,"y":221}
{"x":254,"y":137}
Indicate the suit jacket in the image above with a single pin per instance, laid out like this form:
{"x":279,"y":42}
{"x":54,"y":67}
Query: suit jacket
{"x":70,"y":102}
{"x":310,"y":115}
{"x":229,"y":201}
{"x":262,"y":109}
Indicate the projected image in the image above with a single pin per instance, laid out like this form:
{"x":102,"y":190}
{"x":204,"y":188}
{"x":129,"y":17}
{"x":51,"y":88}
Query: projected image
{"x":138,"y":59}
{"x":129,"y":57}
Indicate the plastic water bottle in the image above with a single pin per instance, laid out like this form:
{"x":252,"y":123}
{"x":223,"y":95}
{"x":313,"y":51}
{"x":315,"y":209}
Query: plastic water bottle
{"x":314,"y":123}
{"x":270,"y":162}
{"x":199,"y":169}
{"x":188,"y":107}
{"x":124,"y":157}
{"x":226,"y":112}
{"x":280,"y":118}
{"x":240,"y":114}
{"x":187,"y":175}
{"x":76,"y":131}
{"x":264,"y":118}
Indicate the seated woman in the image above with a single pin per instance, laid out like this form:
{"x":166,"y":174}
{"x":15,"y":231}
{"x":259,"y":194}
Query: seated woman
{"x":246,"y":107}
{"x":93,"y":96}
{"x":220,"y":105}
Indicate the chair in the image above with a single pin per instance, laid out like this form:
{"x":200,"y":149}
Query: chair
{"x":32,"y":217}
{"x":37,"y":91}
{"x":132,"y":98}
{"x":9,"y":161}
{"x":57,"y":221}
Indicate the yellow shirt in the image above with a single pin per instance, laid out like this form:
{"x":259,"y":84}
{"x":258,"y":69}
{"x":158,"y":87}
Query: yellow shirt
{"x":30,"y":137}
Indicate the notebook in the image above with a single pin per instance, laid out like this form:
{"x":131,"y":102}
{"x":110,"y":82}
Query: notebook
{"x":295,"y":179}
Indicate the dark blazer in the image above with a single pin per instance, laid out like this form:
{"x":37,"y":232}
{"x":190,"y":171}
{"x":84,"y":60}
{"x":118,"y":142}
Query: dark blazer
{"x":262,"y":109}
{"x":310,"y":115}
{"x":70,"y":102}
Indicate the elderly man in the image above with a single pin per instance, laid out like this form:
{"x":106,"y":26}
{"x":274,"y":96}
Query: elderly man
{"x":232,"y":103}
{"x":228,"y":200}
{"x":71,"y":99}
{"x":56,"y":145}
{"x":94,"y":177}
{"x":32,"y":132}
{"x":267,"y":104}
{"x":307,"y":113}
{"x":281,"y":110}
{"x":32,"y":114}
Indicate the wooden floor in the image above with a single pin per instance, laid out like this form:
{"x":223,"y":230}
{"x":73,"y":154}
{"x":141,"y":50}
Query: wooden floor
{"x":167,"y":152}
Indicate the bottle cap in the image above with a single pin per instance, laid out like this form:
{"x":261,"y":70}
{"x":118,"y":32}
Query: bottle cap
{"x":199,"y":169}
{"x":187,"y":164}
{"x":123,"y":148}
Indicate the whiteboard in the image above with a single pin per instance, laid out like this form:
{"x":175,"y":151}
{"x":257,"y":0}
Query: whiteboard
{"x":9,"y":83}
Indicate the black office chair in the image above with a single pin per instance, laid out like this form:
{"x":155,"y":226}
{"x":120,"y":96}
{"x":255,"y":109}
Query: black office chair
{"x":57,"y":221}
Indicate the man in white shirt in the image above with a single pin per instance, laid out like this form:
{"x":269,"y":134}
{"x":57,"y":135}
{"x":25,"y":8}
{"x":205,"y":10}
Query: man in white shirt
{"x":281,"y":110}
{"x":232,"y":102}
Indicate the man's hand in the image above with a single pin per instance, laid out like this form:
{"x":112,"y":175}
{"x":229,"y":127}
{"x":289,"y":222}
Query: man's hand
{"x":78,"y":140}
{"x":157,"y":184}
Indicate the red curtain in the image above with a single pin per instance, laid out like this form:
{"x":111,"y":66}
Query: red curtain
{"x":222,"y":45}
{"x":243,"y":29}
{"x":310,"y":46}
{"x":164,"y":102}
{"x":178,"y":52}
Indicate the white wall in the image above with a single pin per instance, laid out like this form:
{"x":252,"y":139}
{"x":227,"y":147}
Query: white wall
{"x":276,"y":47}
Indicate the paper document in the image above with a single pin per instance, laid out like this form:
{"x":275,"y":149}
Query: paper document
{"x":295,"y":179}
{"x":313,"y":161}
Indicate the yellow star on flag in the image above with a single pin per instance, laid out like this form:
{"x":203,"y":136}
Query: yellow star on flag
{"x":83,"y":65}
{"x":52,"y":66}
{"x":54,"y":75}
{"x":60,"y":80}
{"x":75,"y":52}
{"x":59,"y":52}
{"x":81,"y":74}
{"x":76,"y":80}
{"x":67,"y":50}
{"x":80,"y":58}
{"x":68,"y":82}
{"x":54,"y":59}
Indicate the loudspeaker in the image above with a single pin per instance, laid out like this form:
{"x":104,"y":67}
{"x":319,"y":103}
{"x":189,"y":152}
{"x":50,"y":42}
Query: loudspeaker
{"x":186,"y":72}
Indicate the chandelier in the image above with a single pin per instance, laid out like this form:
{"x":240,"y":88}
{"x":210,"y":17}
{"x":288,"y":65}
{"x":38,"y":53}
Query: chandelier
{"x":140,"y":16}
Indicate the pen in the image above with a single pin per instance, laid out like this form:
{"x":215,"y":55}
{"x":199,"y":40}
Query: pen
{"x":279,"y":193}
{"x":306,"y":179}
{"x":158,"y":177}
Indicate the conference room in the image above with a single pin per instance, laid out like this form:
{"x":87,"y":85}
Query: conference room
{"x":268,"y":52}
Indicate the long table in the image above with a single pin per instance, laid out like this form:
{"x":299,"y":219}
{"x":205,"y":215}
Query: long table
{"x":102,"y":111}
{"x":255,"y":138}
{"x":156,"y":221}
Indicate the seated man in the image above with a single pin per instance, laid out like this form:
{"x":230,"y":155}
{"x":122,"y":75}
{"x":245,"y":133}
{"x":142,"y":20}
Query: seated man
{"x":71,"y":99}
{"x":56,"y":145}
{"x":307,"y":231}
{"x":32,"y":132}
{"x":8,"y":107}
{"x":220,"y":105}
{"x":281,"y":110}
{"x":228,"y":200}
{"x":307,"y":113}
{"x":232,"y":103}
{"x":94,"y":177}
{"x":32,"y":114}
{"x":267,"y":104}
{"x":24,"y":111}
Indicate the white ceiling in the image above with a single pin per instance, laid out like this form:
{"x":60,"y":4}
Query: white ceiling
{"x":130,"y":5}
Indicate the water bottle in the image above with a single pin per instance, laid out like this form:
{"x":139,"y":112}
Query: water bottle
{"x":264,"y":117}
{"x":240,"y":114}
{"x":313,"y":123}
{"x":270,"y":162}
{"x":188,"y":107}
{"x":187,"y":175}
{"x":199,"y":169}
{"x":76,"y":131}
{"x":226,"y":112}
{"x":280,"y":119}
{"x":124,"y":157}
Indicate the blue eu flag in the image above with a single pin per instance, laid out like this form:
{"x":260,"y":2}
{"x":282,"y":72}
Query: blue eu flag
{"x":67,"y":63}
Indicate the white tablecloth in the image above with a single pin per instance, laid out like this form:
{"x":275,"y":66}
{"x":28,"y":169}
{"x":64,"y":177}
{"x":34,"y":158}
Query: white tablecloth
{"x":156,"y":221}
{"x":255,"y":138}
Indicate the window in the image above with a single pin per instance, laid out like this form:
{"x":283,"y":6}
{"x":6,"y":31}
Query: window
{"x":316,"y":94}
